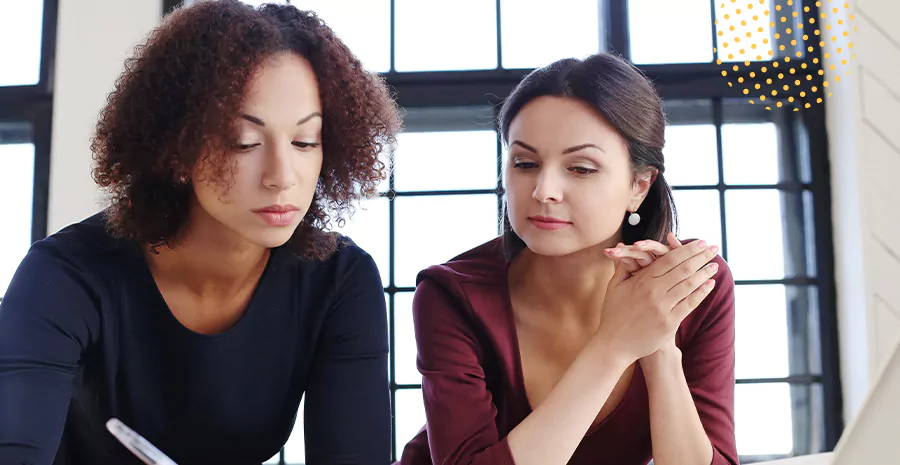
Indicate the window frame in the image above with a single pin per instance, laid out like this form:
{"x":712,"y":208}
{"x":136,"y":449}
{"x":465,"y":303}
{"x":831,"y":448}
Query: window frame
{"x":681,"y":81}
{"x":26,"y":116}
{"x":684,"y":81}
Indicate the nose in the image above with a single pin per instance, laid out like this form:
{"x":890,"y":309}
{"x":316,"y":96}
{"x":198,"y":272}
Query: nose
{"x":548,"y":188}
{"x":278,"y":173}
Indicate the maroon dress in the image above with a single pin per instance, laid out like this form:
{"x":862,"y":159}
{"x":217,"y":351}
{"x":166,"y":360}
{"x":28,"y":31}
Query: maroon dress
{"x":473,"y":387}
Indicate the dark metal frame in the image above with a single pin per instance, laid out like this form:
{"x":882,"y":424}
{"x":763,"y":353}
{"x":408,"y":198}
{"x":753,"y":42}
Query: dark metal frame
{"x":802,"y":133}
{"x":26,"y":116}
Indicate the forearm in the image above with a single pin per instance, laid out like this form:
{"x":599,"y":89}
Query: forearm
{"x":552,"y":432}
{"x":677,"y":434}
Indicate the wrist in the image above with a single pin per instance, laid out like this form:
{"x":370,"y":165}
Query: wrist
{"x":664,"y":363}
{"x":607,"y":355}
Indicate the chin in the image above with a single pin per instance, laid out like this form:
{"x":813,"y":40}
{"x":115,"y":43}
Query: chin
{"x":551,"y":246}
{"x":271,"y":238}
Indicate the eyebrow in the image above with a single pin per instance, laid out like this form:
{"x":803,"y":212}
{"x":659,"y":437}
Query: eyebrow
{"x":566,"y":151}
{"x":262,"y":123}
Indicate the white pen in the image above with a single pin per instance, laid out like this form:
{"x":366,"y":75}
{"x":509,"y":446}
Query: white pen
{"x":142,"y":448}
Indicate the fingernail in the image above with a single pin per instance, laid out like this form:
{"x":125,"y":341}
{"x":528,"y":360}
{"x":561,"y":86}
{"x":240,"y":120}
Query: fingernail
{"x":713,"y":267}
{"x":701,"y":244}
{"x":615,"y":251}
{"x":714,"y":249}
{"x":710,"y":283}
{"x":640,"y":242}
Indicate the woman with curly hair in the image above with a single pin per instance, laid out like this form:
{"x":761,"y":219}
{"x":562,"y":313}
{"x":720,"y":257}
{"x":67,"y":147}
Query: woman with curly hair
{"x":208,"y":298}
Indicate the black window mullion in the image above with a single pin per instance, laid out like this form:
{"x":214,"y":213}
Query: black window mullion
{"x":712,"y":20}
{"x":499,"y":36}
{"x":48,"y":45}
{"x":617,"y":27}
{"x":42,"y":127}
{"x":718,"y":120}
{"x":814,"y":119}
{"x":393,"y":33}
{"x":392,"y":288}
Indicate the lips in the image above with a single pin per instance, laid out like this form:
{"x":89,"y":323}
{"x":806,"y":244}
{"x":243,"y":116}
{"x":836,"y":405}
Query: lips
{"x":277,"y":215}
{"x":276,"y":209}
{"x":549,"y":222}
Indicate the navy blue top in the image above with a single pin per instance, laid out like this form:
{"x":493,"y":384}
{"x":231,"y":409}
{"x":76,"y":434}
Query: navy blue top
{"x":85,"y":335}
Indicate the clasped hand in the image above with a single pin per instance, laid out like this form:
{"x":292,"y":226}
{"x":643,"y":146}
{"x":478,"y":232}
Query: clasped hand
{"x":653,"y":289}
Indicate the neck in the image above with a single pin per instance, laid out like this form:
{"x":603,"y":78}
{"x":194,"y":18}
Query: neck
{"x":209,"y":259}
{"x":570,"y":287}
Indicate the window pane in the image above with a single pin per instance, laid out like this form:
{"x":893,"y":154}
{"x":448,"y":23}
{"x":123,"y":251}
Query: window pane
{"x":755,"y":234}
{"x":788,"y":316}
{"x":16,"y":190}
{"x":446,"y":160}
{"x":750,"y":153}
{"x":698,"y":215}
{"x":295,"y":448}
{"x":761,"y":310}
{"x":21,"y":22}
{"x":763,"y":419}
{"x":434,"y":36}
{"x":691,"y":154}
{"x":736,"y":21}
{"x":666,"y":31}
{"x":405,"y":371}
{"x":410,"y":412}
{"x":369,"y":229}
{"x":534,"y":35}
{"x":433,"y":229}
{"x":364,"y":25}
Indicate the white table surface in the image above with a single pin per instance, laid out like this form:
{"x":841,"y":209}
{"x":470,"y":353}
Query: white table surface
{"x":815,"y":459}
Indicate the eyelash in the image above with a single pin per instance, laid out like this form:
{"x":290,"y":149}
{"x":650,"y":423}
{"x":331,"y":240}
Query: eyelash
{"x":579,"y":170}
{"x":301,"y":145}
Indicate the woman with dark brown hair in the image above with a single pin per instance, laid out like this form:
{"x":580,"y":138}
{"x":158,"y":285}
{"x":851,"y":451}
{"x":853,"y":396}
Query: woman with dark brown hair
{"x":208,"y":298}
{"x":586,"y":333}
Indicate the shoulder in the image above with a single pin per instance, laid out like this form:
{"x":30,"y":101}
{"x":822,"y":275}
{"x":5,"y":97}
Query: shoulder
{"x":63,"y":280}
{"x":87,"y":246}
{"x":347,"y":272}
{"x":471,"y":285}
{"x":351,"y":263}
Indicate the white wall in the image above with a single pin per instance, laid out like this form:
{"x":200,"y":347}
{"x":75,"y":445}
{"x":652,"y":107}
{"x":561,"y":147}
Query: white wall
{"x":93,"y":39}
{"x":864,"y":133}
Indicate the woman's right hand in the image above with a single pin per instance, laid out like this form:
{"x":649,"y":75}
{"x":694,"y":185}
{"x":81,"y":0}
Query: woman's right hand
{"x":642,"y":311}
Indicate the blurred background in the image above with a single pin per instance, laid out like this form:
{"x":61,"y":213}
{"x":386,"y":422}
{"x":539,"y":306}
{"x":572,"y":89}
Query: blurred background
{"x":796,"y":188}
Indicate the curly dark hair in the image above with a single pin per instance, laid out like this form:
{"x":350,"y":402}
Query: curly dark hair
{"x":178,"y":100}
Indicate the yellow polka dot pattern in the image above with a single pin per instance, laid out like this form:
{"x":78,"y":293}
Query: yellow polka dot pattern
{"x":742,"y":36}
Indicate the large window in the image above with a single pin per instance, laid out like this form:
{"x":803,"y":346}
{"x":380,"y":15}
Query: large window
{"x":749,"y":178}
{"x":27,"y":42}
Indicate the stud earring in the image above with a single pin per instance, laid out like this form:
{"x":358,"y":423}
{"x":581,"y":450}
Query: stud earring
{"x":634,"y":219}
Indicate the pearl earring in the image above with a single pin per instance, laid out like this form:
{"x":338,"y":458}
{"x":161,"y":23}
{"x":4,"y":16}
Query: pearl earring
{"x":634,"y":219}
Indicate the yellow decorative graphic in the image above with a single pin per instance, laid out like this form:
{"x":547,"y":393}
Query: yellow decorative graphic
{"x":745,"y":34}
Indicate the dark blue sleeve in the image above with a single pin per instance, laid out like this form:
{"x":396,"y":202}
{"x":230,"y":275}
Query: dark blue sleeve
{"x":48,"y":318}
{"x":347,"y":407}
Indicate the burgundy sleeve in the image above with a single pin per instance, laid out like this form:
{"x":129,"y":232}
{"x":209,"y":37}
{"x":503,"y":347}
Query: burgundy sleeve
{"x":708,"y":360}
{"x":459,"y":409}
